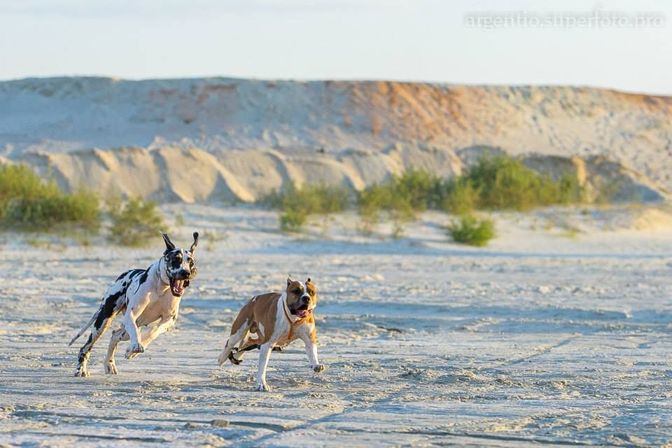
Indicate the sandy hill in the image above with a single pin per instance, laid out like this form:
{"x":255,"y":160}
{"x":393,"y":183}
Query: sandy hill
{"x":233,"y":139}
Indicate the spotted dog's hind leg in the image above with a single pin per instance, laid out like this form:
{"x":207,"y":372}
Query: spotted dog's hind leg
{"x":103,"y":320}
{"x":118,"y":335}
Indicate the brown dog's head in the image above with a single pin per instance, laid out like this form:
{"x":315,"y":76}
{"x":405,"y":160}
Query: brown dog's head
{"x":301,"y":297}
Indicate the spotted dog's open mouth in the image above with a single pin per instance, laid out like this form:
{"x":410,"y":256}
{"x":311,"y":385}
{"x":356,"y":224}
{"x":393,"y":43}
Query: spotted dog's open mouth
{"x":177,"y":287}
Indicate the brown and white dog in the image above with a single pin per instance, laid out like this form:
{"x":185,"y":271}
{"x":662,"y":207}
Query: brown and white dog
{"x":273,"y":320}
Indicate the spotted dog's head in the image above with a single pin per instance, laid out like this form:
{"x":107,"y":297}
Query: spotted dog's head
{"x":301,"y":297}
{"x":180,"y":265}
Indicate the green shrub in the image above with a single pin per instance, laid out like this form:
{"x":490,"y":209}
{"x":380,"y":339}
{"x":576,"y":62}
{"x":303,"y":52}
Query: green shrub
{"x":570,"y":190}
{"x":419,"y":189}
{"x":506,"y":183}
{"x":296,"y":205}
{"x":500,"y":182}
{"x":28,"y":203}
{"x":459,"y":196}
{"x":134,"y":222}
{"x":471,"y":230}
{"x":292,"y":220}
{"x":400,"y":197}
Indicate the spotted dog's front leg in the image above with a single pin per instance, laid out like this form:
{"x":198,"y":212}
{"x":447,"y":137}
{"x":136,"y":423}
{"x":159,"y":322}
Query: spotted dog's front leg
{"x":132,"y":313}
{"x":118,"y":335}
{"x":149,"y":334}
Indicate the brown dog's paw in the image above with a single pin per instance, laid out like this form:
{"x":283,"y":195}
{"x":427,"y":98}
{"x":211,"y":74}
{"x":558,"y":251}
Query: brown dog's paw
{"x":233,"y":358}
{"x":319,"y":368}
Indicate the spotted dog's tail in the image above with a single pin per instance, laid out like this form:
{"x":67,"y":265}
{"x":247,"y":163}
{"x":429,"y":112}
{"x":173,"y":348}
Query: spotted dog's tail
{"x":83,"y":330}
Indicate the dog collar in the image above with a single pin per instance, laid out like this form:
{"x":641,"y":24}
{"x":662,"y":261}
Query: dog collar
{"x":288,"y":315}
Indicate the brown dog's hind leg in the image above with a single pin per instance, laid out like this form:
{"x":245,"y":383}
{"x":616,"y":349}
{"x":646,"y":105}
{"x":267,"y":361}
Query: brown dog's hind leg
{"x":245,"y":346}
{"x":234,"y":339}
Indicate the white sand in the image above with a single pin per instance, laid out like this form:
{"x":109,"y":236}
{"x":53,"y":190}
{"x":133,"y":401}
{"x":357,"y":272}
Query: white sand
{"x":538,"y":338}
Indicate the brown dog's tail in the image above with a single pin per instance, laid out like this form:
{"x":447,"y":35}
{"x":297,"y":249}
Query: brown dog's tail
{"x":88,"y":324}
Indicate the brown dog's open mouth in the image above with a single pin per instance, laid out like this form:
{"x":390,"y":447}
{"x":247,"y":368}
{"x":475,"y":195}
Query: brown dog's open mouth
{"x":177,"y":287}
{"x":303,"y":311}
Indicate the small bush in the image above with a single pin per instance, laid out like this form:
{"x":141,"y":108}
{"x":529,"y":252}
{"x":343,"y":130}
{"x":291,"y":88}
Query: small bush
{"x":28,"y":203}
{"x":420,"y":189}
{"x":296,"y":205}
{"x":506,"y":183}
{"x":400,"y":197}
{"x":292,"y":220}
{"x":135,"y":222}
{"x":472,"y":231}
{"x":459,"y":196}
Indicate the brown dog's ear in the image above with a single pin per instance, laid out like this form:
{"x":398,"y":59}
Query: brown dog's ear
{"x":195,"y":243}
{"x":311,"y":288}
{"x":169,"y":244}
{"x":289,"y":280}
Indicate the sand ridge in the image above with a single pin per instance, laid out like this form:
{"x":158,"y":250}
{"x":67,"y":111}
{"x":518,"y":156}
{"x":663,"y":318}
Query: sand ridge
{"x":246,"y":135}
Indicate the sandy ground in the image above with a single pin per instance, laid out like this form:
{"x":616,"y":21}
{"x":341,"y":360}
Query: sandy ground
{"x":547,"y":337}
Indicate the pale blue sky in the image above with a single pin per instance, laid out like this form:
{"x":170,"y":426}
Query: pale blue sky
{"x":421,"y":40}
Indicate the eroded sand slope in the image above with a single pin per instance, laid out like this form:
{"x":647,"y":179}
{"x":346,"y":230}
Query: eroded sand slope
{"x":228,"y":139}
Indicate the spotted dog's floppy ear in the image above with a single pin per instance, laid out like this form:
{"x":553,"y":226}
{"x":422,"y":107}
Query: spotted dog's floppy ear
{"x":195,"y":243}
{"x":169,"y":244}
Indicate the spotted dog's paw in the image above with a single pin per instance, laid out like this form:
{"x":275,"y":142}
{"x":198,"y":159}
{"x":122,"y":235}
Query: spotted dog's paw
{"x":319,"y":368}
{"x":134,"y":350}
{"x":263,"y":387}
{"x":82,"y":372}
{"x":110,"y":368}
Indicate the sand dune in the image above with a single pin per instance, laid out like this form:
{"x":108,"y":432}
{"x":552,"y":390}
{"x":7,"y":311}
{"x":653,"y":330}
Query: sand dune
{"x":198,"y":140}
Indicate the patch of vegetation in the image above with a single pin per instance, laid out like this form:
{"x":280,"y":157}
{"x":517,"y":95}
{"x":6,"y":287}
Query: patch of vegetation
{"x":400,"y":198}
{"x":298,"y":204}
{"x":501,"y":182}
{"x":28,"y":203}
{"x":471,"y":230}
{"x":134,"y":222}
{"x":492,"y":183}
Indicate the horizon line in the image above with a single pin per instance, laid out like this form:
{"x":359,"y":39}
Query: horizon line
{"x":336,"y":79}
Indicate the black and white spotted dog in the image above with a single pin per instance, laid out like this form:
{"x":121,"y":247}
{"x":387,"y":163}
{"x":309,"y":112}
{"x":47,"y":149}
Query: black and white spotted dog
{"x":144,"y":297}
